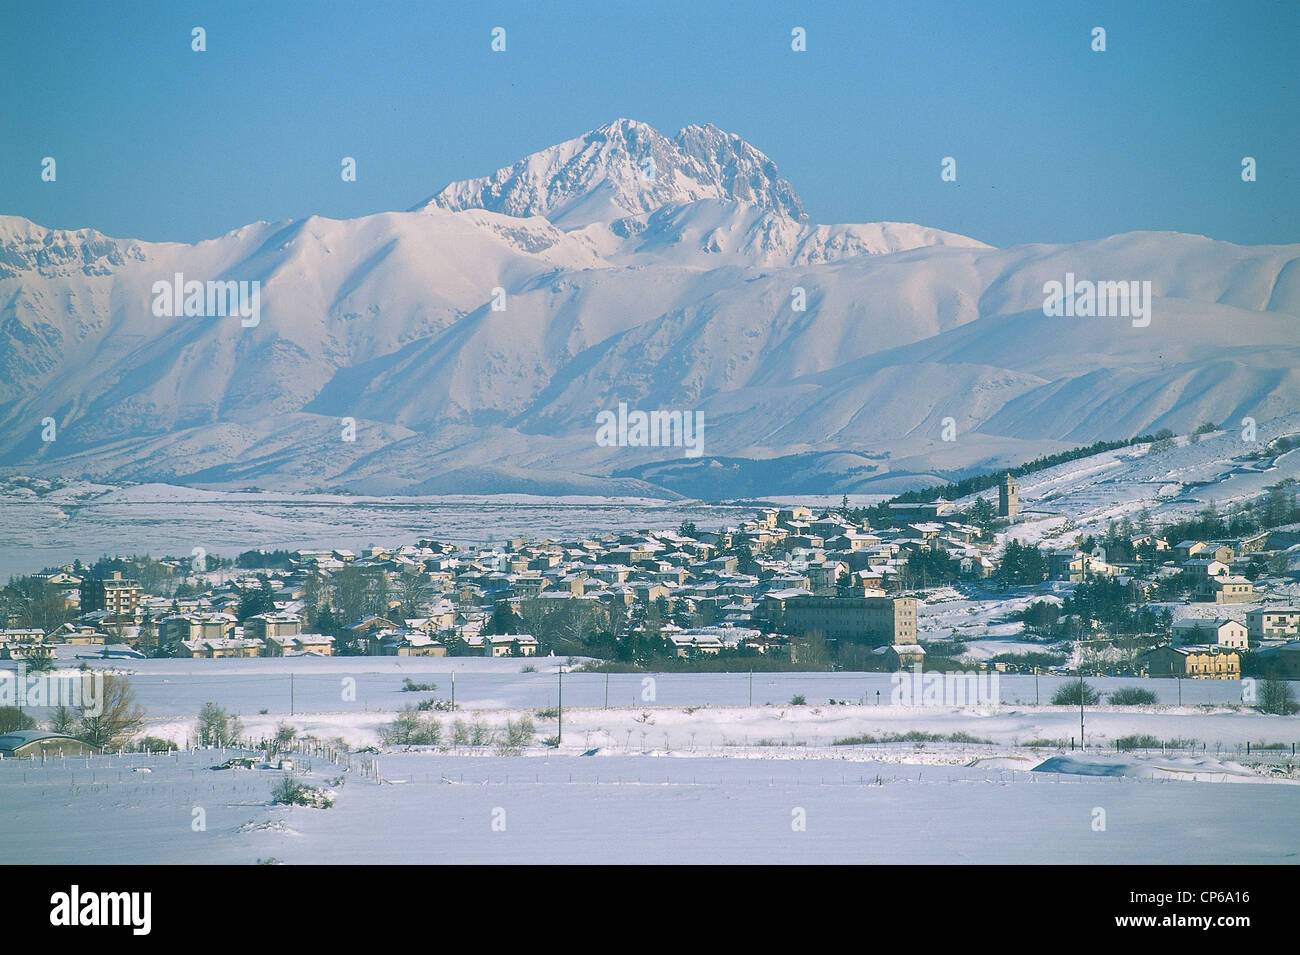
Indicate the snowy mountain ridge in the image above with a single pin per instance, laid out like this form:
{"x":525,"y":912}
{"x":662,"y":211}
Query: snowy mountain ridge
{"x":474,"y":341}
{"x":626,"y":168}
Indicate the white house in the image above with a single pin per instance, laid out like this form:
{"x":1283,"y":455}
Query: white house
{"x":1273,"y":622}
{"x":1226,"y":633}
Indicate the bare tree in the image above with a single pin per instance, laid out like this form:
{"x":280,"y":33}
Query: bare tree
{"x":536,"y":614}
{"x":216,"y":727}
{"x":582,"y":621}
{"x":117,"y":719}
{"x":413,"y":590}
{"x":285,"y":734}
{"x":810,"y":651}
{"x":1275,"y":696}
{"x":64,"y":721}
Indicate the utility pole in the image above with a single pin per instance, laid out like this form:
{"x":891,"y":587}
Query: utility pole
{"x":1081,"y":743}
{"x":606,"y":691}
{"x":559,"y":732}
{"x":1035,"y":686}
{"x":453,"y":690}
{"x":751,"y":687}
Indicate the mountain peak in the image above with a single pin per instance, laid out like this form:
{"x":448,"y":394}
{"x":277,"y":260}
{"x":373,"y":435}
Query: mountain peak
{"x":624,"y":124}
{"x":626,"y":167}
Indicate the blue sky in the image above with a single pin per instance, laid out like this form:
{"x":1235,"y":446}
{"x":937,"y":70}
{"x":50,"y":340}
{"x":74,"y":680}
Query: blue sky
{"x":1054,"y":142}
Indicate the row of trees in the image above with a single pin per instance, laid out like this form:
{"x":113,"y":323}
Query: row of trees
{"x":1120,"y":607}
{"x":1276,"y":507}
{"x":27,"y":602}
{"x":607,"y":630}
{"x":983,"y":482}
{"x":114,"y":723}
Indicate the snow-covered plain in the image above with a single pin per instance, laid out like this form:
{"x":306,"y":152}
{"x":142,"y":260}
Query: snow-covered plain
{"x":86,"y":521}
{"x":435,"y":808}
{"x":171,"y":688}
{"x":678,"y":768}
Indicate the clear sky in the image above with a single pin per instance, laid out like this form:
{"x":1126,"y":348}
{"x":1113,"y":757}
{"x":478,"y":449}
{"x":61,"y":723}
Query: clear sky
{"x":1053,"y":142}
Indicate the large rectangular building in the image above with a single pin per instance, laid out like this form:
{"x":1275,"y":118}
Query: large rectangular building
{"x":117,"y":596}
{"x":1199,"y":663}
{"x":877,"y":621}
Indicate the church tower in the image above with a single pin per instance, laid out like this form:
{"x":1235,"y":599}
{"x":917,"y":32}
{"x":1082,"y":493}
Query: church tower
{"x":1008,"y":497}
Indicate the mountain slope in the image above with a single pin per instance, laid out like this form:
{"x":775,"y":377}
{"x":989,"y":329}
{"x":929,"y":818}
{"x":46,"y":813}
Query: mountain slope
{"x":474,"y":340}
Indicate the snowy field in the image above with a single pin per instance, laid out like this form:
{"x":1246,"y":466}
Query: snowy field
{"x":433,"y":808}
{"x":87,"y":521}
{"x":170,"y":688}
{"x":678,"y":768}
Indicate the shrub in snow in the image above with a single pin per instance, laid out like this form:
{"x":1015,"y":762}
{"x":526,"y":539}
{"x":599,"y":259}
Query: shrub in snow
{"x":410,"y":686}
{"x":431,"y":703}
{"x":1070,"y":693}
{"x":476,"y":733}
{"x":1132,"y":696}
{"x":152,"y":744}
{"x":518,"y":735}
{"x":290,"y":792}
{"x":460,"y":733}
{"x":411,"y":728}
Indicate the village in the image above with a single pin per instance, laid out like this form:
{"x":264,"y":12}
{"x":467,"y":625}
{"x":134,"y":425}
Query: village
{"x":844,"y":589}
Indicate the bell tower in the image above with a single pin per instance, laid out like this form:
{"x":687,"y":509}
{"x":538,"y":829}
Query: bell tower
{"x":1008,"y":497}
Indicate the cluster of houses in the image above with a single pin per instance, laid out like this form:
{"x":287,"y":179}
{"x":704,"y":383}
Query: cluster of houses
{"x":1204,"y":646}
{"x":807,"y":574}
{"x":1209,"y":563}
{"x":1211,"y":648}
{"x":810,"y":573}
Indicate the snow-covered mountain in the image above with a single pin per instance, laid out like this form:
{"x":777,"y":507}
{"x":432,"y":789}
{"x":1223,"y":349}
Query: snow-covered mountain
{"x":626,"y":168}
{"x":678,"y":290}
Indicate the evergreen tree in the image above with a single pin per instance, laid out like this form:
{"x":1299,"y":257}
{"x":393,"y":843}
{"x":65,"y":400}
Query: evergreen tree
{"x":983,"y":514}
{"x":257,"y":600}
{"x":503,"y":620}
{"x":844,"y":584}
{"x":147,"y":640}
